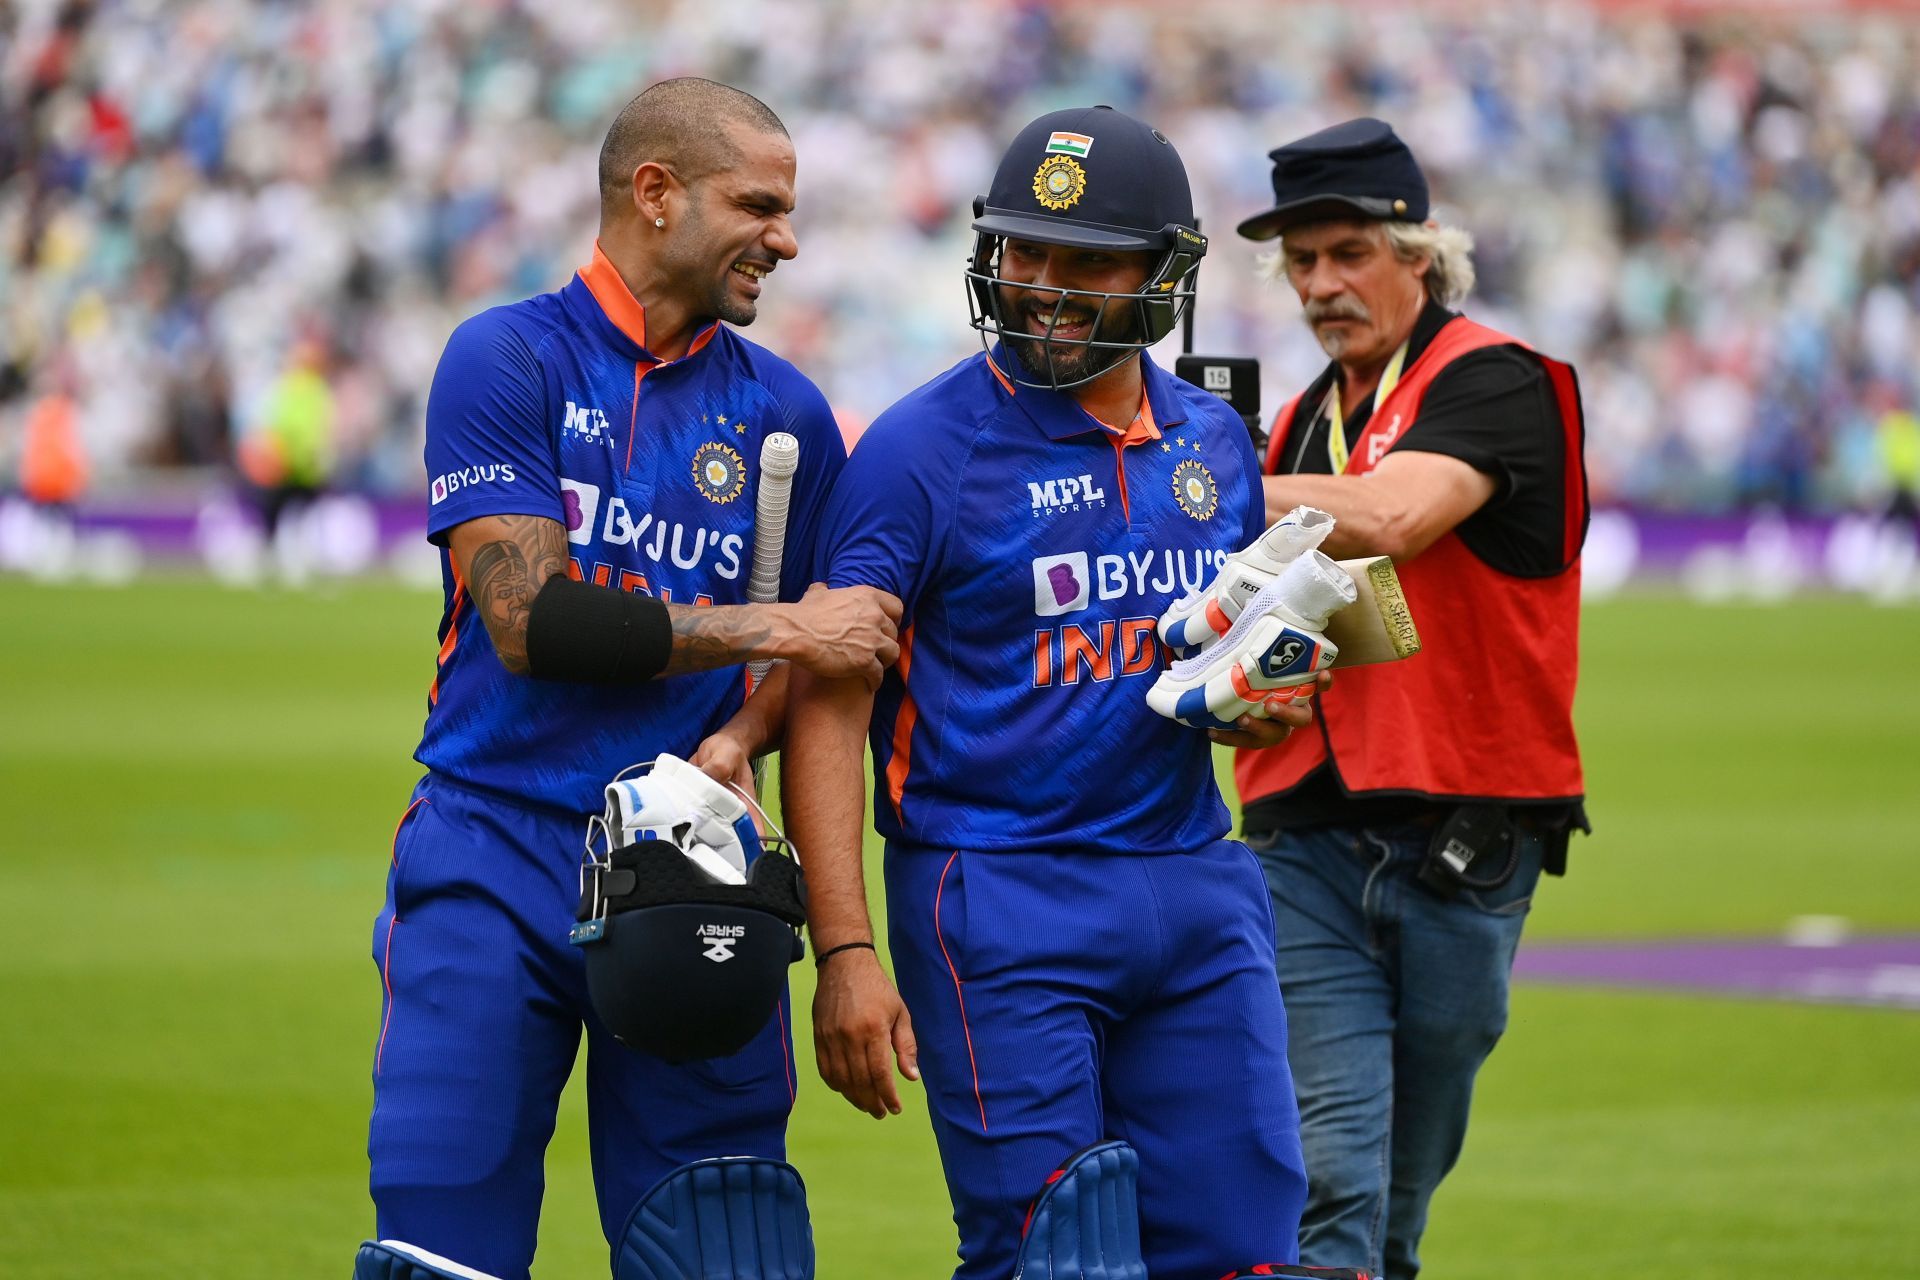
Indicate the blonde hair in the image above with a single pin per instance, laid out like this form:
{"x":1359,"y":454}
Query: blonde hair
{"x":1449,"y":255}
{"x":1448,"y":251}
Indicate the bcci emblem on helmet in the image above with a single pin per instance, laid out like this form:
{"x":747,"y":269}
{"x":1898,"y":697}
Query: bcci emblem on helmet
{"x":1194,"y":489}
{"x":1059,"y":183}
{"x":719,"y":472}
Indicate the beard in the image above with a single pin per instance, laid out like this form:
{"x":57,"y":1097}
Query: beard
{"x":694,"y":260}
{"x":1063,"y":363}
{"x":736,"y":311}
{"x":1335,"y":342}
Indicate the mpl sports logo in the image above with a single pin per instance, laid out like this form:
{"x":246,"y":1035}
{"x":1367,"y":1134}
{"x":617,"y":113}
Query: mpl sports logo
{"x":1067,"y":493}
{"x":720,"y":940}
{"x":446,"y":486}
{"x":586,"y":424}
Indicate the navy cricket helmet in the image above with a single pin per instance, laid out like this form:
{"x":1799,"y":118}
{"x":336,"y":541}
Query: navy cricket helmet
{"x":680,"y":964}
{"x":1087,"y":178}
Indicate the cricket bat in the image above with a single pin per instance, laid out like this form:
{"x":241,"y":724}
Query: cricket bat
{"x":779,"y":459}
{"x":1378,"y":626}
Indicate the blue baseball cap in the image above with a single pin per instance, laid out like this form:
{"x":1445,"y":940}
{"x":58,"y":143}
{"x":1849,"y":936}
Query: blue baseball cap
{"x":1357,"y":169}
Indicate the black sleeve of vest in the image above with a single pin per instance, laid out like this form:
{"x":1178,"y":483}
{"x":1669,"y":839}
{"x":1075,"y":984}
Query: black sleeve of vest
{"x":591,"y":635}
{"x":1495,"y":411}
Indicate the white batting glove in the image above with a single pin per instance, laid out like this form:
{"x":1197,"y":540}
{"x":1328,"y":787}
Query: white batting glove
{"x":1202,"y":617}
{"x":677,"y":802}
{"x":1267,"y":658}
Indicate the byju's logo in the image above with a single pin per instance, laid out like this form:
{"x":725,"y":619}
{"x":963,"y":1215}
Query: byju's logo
{"x":1061,"y":584}
{"x":1068,"y":493}
{"x":719,"y":940}
{"x":446,"y":486}
{"x":586,"y":424}
{"x":579,"y":504}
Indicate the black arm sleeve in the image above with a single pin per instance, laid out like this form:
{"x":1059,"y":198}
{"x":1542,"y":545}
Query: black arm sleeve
{"x":590,"y":635}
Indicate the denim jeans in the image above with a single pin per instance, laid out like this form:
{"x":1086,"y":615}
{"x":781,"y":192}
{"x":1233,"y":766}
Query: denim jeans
{"x":1394,"y":999}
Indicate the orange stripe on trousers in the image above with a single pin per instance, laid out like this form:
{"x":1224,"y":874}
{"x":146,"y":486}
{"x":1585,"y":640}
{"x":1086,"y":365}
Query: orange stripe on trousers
{"x":957,"y":994}
{"x":386,"y":961}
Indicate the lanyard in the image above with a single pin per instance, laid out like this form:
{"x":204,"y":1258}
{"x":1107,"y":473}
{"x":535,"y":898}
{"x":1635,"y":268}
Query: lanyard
{"x":1336,"y":427}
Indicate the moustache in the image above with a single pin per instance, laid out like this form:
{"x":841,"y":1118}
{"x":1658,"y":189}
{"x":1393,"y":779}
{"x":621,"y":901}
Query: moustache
{"x":1338,"y":309}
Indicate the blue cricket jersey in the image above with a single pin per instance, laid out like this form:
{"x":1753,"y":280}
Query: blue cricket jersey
{"x":554,"y":407}
{"x":1034,"y":549}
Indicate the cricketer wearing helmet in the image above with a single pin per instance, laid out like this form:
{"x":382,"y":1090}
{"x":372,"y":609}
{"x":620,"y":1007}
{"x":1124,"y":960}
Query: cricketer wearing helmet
{"x":593,"y":458}
{"x":1085,"y":956}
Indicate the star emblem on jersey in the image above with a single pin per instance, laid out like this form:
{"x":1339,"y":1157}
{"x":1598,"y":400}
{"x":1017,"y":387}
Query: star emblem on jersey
{"x":719,"y":472}
{"x":1194,"y":489}
{"x":1059,"y":183}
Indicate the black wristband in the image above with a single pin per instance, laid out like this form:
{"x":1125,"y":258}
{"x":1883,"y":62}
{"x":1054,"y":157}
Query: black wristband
{"x":595,"y":635}
{"x":821,"y":957}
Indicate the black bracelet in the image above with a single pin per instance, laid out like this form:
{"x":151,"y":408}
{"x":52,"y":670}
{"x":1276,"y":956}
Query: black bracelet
{"x":821,"y":958}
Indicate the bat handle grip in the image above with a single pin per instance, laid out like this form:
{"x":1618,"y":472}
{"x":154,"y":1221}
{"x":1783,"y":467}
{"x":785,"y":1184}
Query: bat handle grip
{"x":779,"y":459}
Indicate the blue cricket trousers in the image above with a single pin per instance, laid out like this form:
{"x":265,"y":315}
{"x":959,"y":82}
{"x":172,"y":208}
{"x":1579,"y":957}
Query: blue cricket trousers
{"x":1063,"y":999}
{"x":484,"y":1000}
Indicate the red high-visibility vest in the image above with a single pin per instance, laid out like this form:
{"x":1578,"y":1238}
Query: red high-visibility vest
{"x":1485,"y":709}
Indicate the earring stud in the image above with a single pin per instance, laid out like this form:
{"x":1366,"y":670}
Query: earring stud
{"x":660,"y":222}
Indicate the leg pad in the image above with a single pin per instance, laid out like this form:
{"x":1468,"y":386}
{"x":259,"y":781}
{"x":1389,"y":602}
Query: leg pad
{"x":1085,"y":1225}
{"x":731,"y":1218}
{"x":398,"y":1260}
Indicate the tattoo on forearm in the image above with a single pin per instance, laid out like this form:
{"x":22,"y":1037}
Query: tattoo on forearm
{"x":705,"y":637}
{"x":506,"y":574}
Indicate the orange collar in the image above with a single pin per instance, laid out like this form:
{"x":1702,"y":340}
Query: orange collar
{"x":603,"y":281}
{"x":1142,"y":429}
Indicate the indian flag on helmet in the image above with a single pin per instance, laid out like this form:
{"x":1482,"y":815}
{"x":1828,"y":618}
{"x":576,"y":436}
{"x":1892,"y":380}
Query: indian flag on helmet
{"x":1069,"y":144}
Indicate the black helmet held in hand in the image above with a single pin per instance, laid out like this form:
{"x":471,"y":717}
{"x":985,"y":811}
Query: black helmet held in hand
{"x":680,"y":965}
{"x":1087,"y":178}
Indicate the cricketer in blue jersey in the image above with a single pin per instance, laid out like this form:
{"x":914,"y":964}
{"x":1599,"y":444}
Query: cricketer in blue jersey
{"x":592,"y":456}
{"x":1085,"y":955}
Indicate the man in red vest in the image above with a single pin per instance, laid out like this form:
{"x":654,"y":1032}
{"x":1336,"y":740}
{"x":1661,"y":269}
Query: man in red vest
{"x":1403,"y":835}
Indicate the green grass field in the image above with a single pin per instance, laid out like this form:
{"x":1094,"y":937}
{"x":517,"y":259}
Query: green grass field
{"x":201,"y":785}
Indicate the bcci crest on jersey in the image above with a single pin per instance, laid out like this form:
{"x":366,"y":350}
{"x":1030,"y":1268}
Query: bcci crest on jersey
{"x":719,"y":472}
{"x":1195,"y":490}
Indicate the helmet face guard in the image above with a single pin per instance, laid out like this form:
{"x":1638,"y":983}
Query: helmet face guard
{"x":1154,"y":309}
{"x":679,"y":964}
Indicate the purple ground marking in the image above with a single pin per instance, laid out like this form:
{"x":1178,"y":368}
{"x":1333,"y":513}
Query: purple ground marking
{"x":1881,"y":971}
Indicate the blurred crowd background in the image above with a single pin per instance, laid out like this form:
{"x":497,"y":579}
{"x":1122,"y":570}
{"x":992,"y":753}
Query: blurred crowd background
{"x":229,"y":222}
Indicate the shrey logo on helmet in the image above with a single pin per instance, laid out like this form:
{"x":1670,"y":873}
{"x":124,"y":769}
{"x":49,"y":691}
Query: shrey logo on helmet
{"x":1096,"y":179}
